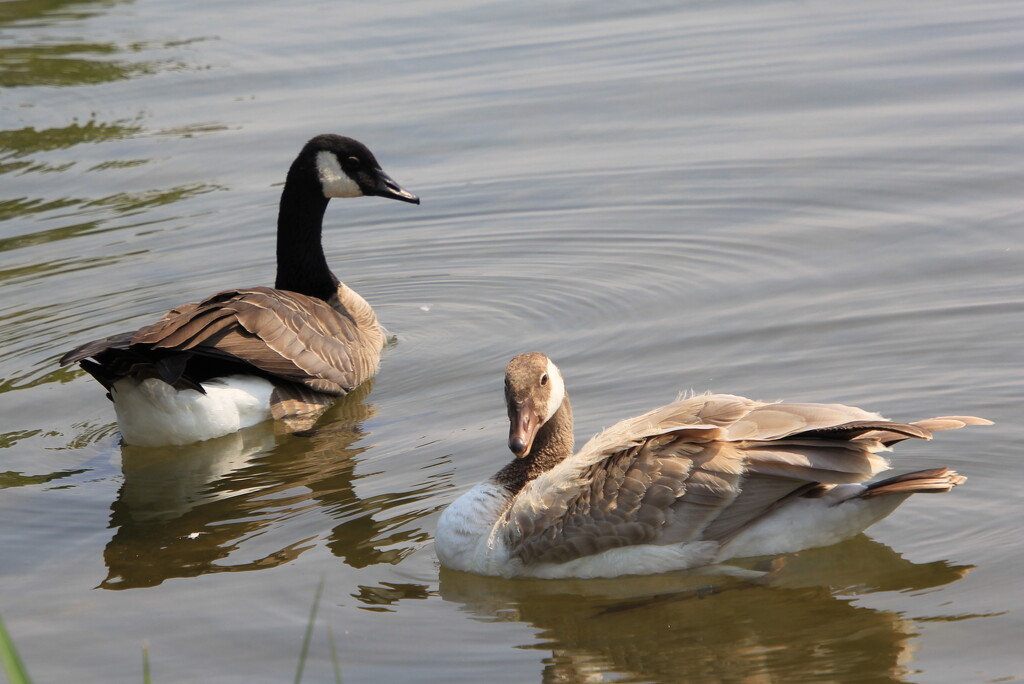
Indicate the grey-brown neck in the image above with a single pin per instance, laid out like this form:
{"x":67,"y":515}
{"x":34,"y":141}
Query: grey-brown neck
{"x":552,"y":445}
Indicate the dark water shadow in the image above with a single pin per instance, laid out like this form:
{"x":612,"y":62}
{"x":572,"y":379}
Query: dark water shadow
{"x":189,"y":511}
{"x":798,"y":623}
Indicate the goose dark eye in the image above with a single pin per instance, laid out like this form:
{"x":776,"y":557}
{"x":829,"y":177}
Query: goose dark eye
{"x":544,"y":379}
{"x":354,"y":160}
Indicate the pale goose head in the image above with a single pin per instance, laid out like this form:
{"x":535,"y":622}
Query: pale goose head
{"x":534,"y":392}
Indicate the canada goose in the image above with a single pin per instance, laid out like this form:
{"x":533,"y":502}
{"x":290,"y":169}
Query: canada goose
{"x":241,"y":356}
{"x":698,"y":481}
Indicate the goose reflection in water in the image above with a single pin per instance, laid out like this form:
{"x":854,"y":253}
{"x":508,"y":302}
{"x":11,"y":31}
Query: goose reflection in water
{"x":800,"y":621}
{"x":237,"y":503}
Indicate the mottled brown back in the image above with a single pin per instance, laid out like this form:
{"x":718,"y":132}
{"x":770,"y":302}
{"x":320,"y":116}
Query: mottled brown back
{"x":328,"y":347}
{"x":698,"y":469}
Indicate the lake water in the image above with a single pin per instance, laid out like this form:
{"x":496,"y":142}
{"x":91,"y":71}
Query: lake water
{"x":815,"y":201}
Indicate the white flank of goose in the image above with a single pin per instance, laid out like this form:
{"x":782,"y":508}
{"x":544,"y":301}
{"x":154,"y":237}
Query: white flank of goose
{"x":242,"y":356}
{"x":696,"y":482}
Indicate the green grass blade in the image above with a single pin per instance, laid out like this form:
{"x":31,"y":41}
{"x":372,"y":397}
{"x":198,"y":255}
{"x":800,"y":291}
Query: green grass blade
{"x":16,"y":672}
{"x":334,"y":654}
{"x":145,"y":664}
{"x":309,"y":632}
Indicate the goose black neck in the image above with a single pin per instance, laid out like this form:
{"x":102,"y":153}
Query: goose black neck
{"x":301,"y":264}
{"x":552,"y":445}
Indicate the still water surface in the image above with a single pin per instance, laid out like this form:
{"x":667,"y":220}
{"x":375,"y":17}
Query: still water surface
{"x":814,"y":201}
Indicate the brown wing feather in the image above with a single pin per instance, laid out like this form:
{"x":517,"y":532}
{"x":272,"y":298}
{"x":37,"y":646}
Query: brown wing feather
{"x":284,"y":334}
{"x":931,"y":481}
{"x":698,"y":469}
{"x":84,"y":351}
{"x":321,"y":345}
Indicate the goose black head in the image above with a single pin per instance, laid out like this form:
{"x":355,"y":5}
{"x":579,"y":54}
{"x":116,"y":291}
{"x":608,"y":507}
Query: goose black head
{"x":347,"y":168}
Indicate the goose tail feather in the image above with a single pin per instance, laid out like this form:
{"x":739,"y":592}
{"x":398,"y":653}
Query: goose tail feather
{"x":931,"y":481}
{"x":91,"y":349}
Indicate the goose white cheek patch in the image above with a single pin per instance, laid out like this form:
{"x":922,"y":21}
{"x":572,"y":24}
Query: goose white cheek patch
{"x":557,"y":390}
{"x":335,"y":182}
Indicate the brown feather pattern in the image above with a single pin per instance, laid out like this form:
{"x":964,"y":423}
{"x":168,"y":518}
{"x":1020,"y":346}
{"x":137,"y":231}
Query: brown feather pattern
{"x":701,"y":469}
{"x":326,"y":347}
{"x":284,"y":334}
{"x":932,"y":481}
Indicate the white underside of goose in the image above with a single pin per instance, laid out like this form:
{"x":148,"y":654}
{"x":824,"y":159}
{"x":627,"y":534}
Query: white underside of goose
{"x":809,"y":523}
{"x":469,"y":537}
{"x":463,"y":539}
{"x":152,"y":413}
